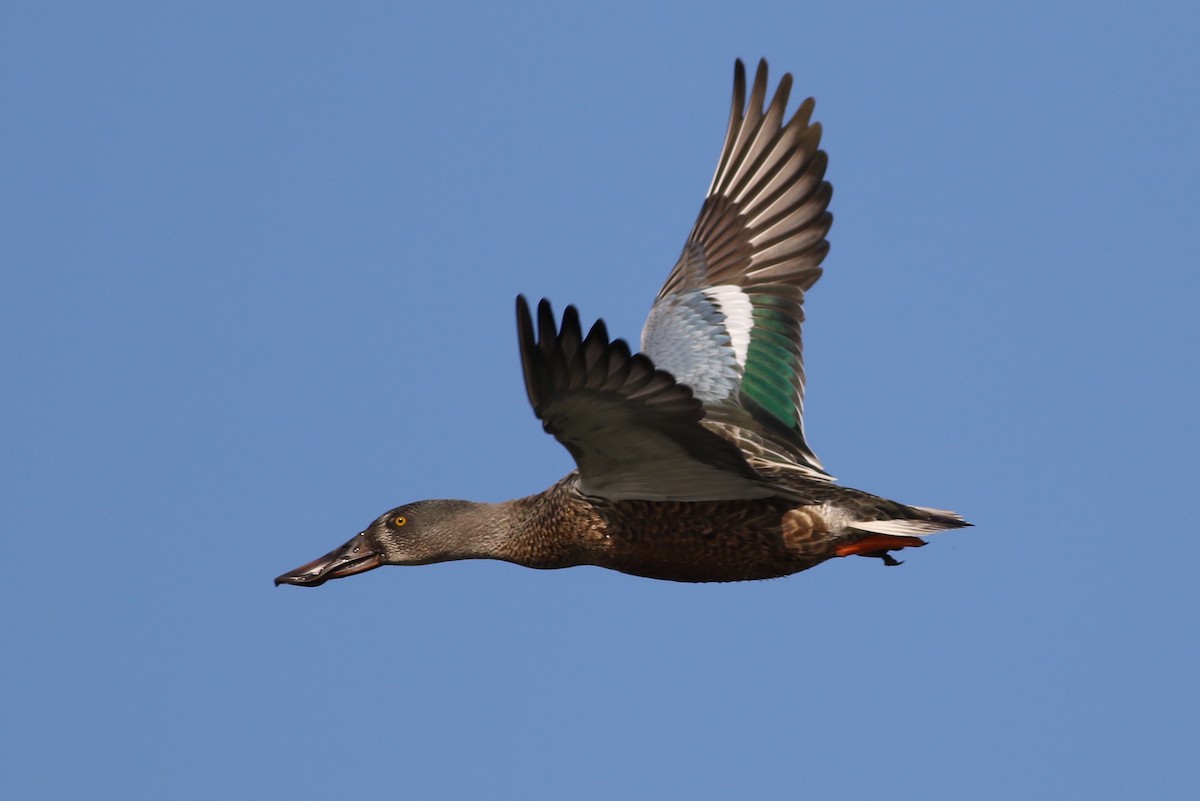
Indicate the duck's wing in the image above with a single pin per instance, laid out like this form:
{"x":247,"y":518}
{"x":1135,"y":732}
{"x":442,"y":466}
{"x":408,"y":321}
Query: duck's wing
{"x":727,"y":321}
{"x":633,"y":431}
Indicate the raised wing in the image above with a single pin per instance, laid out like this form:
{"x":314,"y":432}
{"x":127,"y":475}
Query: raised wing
{"x":633,"y":431}
{"x":727,"y":321}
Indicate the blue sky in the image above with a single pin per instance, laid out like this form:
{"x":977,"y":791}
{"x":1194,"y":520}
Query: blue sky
{"x":256,"y":281}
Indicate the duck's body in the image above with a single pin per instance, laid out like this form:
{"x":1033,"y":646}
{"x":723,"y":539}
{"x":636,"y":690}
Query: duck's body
{"x":692,"y":459}
{"x":733,"y":540}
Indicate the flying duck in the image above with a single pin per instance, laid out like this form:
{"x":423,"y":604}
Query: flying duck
{"x":692,"y":463}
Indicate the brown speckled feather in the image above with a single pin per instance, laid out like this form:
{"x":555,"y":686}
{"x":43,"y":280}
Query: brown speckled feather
{"x":693,"y":541}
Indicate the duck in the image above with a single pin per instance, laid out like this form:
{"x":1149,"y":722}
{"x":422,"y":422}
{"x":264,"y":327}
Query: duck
{"x":692,"y":463}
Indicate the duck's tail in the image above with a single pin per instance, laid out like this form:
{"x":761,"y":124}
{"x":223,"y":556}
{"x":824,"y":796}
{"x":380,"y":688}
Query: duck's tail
{"x":913,"y":521}
{"x":905,"y":530}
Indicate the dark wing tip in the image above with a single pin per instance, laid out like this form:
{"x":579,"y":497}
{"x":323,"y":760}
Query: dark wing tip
{"x":527,"y":343}
{"x":559,"y":358}
{"x":523,"y":318}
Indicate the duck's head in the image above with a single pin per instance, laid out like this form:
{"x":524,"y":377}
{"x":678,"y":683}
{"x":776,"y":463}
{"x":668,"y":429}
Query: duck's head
{"x":415,"y":534}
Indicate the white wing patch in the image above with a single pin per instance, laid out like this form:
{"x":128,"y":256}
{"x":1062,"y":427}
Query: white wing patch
{"x":739,"y":316}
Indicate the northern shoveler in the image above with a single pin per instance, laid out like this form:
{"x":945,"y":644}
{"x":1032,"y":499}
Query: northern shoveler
{"x":691,"y":455}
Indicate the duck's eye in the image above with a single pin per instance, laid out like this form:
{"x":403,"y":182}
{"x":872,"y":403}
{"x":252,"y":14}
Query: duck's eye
{"x":399,"y":520}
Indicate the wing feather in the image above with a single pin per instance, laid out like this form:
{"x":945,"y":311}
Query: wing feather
{"x":727,"y":320}
{"x":633,"y":431}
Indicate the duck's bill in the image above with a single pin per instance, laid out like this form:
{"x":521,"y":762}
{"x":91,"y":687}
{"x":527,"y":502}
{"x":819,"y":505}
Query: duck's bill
{"x":356,"y":556}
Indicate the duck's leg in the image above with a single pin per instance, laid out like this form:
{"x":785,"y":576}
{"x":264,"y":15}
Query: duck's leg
{"x":878,"y":545}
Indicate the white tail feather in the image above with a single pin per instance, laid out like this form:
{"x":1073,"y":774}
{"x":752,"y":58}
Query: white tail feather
{"x":907,"y":528}
{"x":939,"y":512}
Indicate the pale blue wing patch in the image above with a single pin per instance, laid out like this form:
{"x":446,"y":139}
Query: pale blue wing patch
{"x":740,"y":353}
{"x":687,"y":335}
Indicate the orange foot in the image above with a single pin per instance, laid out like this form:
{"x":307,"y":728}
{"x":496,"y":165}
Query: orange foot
{"x":878,"y":545}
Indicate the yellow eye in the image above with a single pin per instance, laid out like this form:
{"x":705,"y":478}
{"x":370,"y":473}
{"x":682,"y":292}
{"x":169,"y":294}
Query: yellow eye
{"x":399,"y":520}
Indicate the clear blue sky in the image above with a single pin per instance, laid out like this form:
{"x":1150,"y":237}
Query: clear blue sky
{"x":256,"y":280}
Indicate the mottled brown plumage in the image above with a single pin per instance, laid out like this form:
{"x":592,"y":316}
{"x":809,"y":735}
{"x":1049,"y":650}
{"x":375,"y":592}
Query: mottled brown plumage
{"x":692,"y":460}
{"x":690,"y":541}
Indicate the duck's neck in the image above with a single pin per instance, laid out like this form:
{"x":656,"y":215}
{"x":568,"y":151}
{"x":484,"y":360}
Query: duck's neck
{"x":538,"y":531}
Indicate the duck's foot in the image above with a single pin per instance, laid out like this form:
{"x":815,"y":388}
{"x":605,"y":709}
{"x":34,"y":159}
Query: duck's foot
{"x":877,"y":546}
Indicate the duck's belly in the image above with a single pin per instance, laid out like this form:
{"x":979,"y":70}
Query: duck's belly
{"x":713,"y":540}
